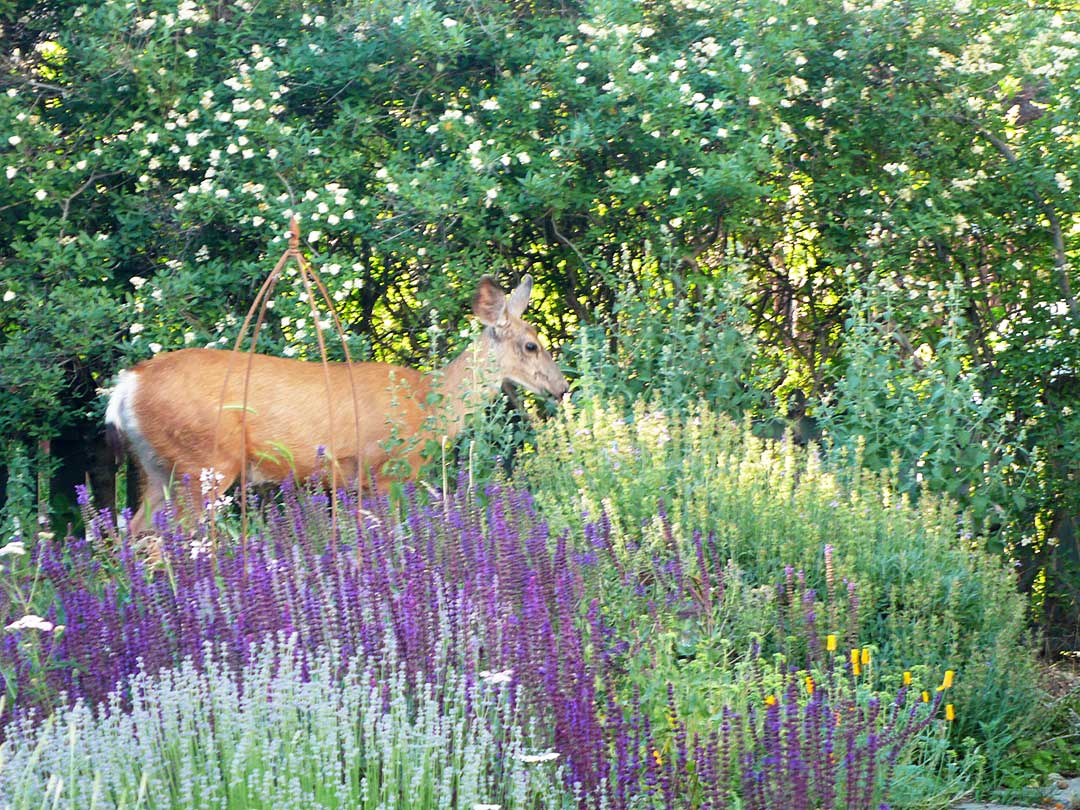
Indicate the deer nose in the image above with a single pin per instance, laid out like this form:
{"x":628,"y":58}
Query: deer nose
{"x":560,"y":388}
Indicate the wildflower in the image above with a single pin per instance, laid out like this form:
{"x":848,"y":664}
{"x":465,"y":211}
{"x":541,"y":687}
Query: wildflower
{"x":950,"y":712}
{"x":659,"y":759}
{"x":505,"y":676}
{"x":830,"y":643}
{"x":9,"y":295}
{"x":770,"y":700}
{"x":32,"y":622}
{"x":925,"y":696}
{"x":866,"y":656}
{"x":907,"y":678}
{"x":947,"y":682}
{"x":809,"y":685}
{"x":546,"y":756}
{"x":14,"y":548}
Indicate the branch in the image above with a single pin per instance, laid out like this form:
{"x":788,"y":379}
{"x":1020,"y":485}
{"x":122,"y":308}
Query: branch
{"x":1061,"y":261}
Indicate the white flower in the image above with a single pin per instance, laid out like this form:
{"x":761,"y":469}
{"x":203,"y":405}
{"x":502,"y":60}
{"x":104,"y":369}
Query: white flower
{"x":547,"y":756}
{"x":523,"y":157}
{"x":1063,"y":181}
{"x":32,"y":622}
{"x":137,"y":281}
{"x":487,"y":807}
{"x":41,"y":194}
{"x":14,"y":140}
{"x":490,"y":104}
{"x":136,"y":328}
{"x":11,"y":172}
{"x":504,"y":676}
{"x":155,"y":347}
{"x":9,"y":296}
{"x":674,"y":192}
{"x":15,"y":547}
{"x":449,"y":22}
{"x":753,"y":101}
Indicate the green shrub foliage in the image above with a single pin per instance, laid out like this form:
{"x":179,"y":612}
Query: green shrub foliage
{"x":152,"y":157}
{"x":908,"y":580}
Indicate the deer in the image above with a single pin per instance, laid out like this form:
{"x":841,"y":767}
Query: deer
{"x":195,"y":412}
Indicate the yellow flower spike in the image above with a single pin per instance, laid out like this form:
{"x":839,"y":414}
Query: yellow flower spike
{"x":855,"y":668}
{"x":947,"y":683}
{"x":659,"y":759}
{"x":855,"y":656}
{"x":866,"y":656}
{"x":830,"y":643}
{"x":925,"y":696}
{"x":950,"y":712}
{"x":809,"y":685}
{"x":907,"y":678}
{"x":770,"y":700}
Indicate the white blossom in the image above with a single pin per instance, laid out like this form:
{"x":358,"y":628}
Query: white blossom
{"x":32,"y":622}
{"x":546,"y":756}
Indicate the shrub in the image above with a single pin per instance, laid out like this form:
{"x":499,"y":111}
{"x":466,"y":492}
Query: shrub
{"x":453,"y":586}
{"x":446,"y":593}
{"x":677,"y":340}
{"x":290,"y":728}
{"x":926,"y":594}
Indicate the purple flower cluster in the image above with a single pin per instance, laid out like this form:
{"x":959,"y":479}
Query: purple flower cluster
{"x":452,"y":584}
{"x":465,"y":584}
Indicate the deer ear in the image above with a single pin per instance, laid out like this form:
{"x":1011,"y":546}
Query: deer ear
{"x":519,"y":298}
{"x":489,"y":303}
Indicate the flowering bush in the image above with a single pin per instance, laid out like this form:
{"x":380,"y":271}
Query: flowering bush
{"x":895,"y":576}
{"x":453,"y":588}
{"x":427,"y":599}
{"x":290,"y":728}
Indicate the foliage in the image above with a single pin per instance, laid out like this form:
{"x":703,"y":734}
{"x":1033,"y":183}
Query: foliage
{"x":923,"y":595}
{"x":422,"y":600}
{"x":499,"y":593}
{"x":929,"y":415}
{"x":676,"y":341}
{"x":289,"y":728}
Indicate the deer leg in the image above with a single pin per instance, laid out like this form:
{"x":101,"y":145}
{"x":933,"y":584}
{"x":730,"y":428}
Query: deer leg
{"x":151,"y":501}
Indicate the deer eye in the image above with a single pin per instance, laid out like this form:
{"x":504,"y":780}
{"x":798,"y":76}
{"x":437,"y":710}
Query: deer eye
{"x":530,"y":346}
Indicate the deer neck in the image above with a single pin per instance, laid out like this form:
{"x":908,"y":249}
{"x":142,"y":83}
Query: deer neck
{"x":463,"y":386}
